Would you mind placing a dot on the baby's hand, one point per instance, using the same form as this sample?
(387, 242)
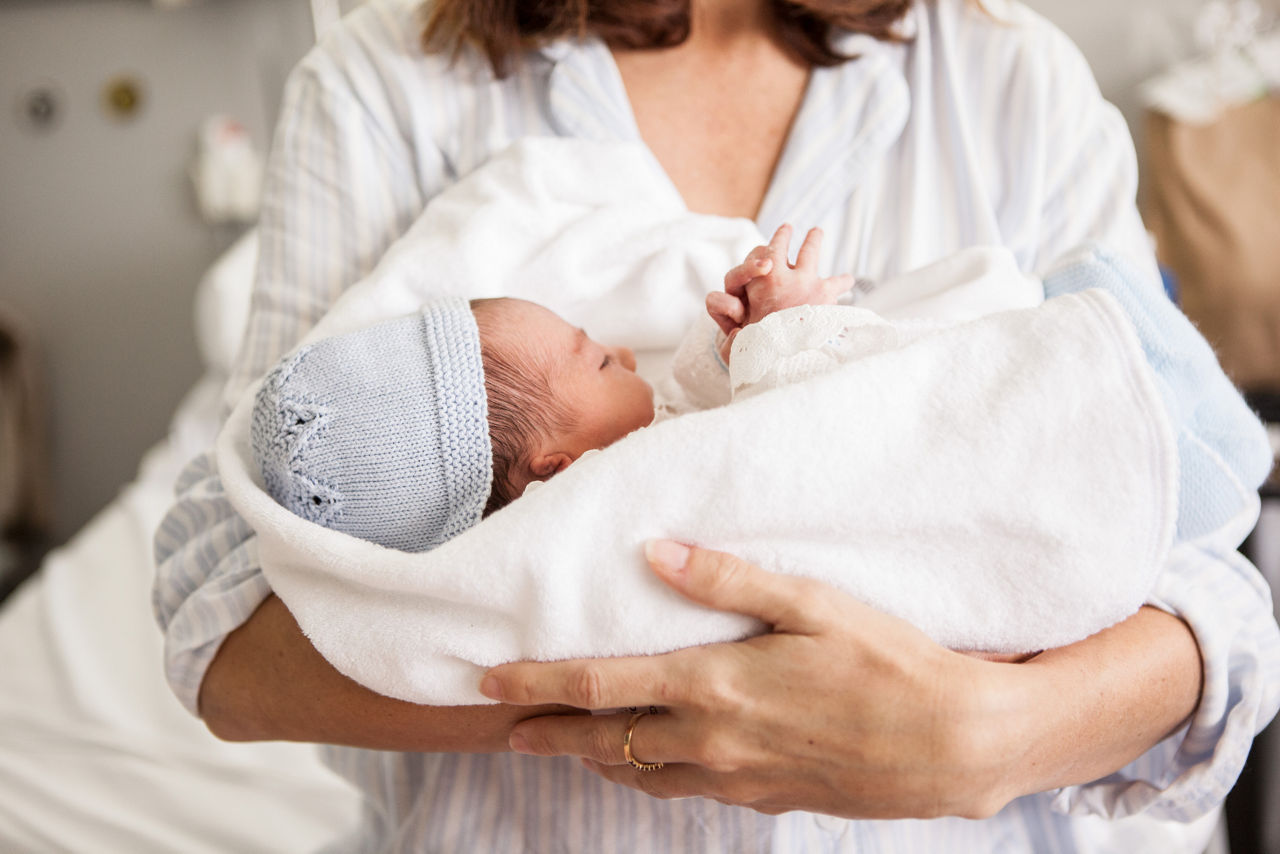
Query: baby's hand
(767, 282)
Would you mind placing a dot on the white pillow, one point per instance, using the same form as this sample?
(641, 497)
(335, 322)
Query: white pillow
(222, 303)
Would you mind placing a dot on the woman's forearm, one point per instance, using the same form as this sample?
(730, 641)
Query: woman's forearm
(1086, 710)
(1068, 716)
(267, 682)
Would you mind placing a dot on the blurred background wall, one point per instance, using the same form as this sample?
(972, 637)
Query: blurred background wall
(100, 243)
(1126, 42)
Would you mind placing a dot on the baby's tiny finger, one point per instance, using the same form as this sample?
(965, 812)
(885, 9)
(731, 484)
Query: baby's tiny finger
(736, 279)
(807, 256)
(781, 240)
(727, 311)
(837, 285)
(727, 305)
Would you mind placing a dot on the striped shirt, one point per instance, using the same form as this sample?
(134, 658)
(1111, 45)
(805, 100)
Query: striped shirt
(975, 131)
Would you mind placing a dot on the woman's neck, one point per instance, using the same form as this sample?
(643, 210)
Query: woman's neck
(716, 23)
(715, 110)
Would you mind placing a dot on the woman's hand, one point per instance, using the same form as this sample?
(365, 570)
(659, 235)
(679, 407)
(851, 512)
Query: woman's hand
(847, 711)
(840, 709)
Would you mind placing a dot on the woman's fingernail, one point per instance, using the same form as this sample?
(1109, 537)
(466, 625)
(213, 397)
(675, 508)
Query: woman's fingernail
(667, 554)
(518, 743)
(491, 688)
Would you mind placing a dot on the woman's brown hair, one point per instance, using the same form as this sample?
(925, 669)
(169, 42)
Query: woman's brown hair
(502, 29)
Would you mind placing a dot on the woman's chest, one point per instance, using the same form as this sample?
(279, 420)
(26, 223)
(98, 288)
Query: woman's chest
(717, 130)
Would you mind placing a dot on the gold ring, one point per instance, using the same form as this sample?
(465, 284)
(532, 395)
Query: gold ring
(626, 747)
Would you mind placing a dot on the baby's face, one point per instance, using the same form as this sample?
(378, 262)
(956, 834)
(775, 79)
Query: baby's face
(598, 384)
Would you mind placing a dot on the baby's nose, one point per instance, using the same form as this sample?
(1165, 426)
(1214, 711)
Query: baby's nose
(627, 357)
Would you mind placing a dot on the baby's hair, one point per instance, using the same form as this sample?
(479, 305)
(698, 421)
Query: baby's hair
(523, 405)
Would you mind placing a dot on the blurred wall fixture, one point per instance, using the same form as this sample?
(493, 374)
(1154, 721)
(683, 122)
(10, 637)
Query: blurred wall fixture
(40, 107)
(227, 172)
(122, 97)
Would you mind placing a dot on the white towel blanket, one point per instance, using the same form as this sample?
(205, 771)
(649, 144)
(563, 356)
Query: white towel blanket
(1005, 484)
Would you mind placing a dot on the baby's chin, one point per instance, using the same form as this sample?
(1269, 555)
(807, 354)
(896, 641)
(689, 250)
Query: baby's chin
(652, 410)
(642, 419)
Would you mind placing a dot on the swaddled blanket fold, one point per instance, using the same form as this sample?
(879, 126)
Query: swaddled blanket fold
(1004, 484)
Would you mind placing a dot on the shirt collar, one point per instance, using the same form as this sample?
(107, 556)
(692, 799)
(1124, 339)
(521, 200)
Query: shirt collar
(586, 94)
(850, 115)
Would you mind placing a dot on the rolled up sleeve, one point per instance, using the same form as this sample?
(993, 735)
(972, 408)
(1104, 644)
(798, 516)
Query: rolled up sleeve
(342, 183)
(1227, 605)
(1087, 195)
(208, 580)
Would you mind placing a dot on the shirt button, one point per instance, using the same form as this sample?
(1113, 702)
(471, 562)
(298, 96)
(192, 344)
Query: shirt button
(831, 824)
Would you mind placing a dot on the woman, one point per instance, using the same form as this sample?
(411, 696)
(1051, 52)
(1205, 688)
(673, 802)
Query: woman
(950, 128)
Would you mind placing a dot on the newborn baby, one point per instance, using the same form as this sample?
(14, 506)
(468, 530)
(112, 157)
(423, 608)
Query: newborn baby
(381, 433)
(408, 432)
(392, 436)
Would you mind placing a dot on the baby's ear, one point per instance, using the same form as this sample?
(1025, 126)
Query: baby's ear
(544, 466)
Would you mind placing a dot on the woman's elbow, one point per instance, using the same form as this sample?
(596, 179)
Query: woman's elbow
(232, 714)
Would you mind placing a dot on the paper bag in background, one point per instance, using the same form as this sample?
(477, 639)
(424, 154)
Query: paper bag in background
(1212, 199)
(24, 481)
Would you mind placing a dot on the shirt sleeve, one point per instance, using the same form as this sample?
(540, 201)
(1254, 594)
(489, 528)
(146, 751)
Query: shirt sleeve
(208, 580)
(1225, 601)
(699, 373)
(1223, 451)
(1074, 180)
(341, 186)
(1088, 195)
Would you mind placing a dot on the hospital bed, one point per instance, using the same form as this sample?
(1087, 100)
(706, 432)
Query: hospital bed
(95, 752)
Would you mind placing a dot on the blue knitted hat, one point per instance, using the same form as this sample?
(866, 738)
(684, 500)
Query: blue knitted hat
(382, 433)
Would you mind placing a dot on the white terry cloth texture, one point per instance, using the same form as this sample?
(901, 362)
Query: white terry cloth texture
(969, 284)
(1004, 484)
(570, 224)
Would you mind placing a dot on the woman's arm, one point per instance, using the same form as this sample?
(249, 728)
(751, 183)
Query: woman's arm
(344, 180)
(847, 711)
(241, 699)
(236, 657)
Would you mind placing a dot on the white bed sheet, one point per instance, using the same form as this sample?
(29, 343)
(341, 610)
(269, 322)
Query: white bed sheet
(95, 752)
